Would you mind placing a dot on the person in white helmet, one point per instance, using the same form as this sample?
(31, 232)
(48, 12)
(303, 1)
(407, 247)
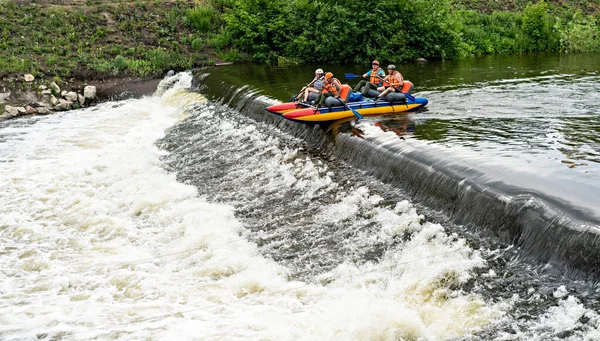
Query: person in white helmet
(395, 81)
(316, 85)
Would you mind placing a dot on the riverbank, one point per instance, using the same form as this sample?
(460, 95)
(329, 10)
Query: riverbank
(122, 49)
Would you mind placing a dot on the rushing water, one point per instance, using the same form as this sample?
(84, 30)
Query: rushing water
(177, 217)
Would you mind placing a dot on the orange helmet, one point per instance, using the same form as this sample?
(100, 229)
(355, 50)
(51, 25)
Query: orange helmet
(328, 75)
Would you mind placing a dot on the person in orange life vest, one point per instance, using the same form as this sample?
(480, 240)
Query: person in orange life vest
(395, 81)
(332, 87)
(375, 75)
(316, 86)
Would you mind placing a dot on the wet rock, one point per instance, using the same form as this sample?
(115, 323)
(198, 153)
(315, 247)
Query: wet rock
(564, 334)
(80, 99)
(170, 73)
(29, 78)
(421, 60)
(63, 105)
(71, 96)
(89, 92)
(55, 89)
(5, 116)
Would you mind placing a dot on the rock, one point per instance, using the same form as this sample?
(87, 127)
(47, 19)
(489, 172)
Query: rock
(44, 111)
(170, 73)
(13, 111)
(31, 110)
(63, 93)
(71, 96)
(81, 99)
(46, 95)
(42, 87)
(3, 96)
(421, 60)
(22, 111)
(54, 101)
(89, 92)
(29, 78)
(55, 89)
(63, 105)
(5, 116)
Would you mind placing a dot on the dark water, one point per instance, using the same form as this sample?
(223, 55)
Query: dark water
(506, 155)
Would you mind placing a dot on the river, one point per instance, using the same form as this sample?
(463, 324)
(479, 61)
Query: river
(194, 214)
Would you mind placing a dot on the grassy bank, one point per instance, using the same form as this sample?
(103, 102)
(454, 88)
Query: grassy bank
(103, 39)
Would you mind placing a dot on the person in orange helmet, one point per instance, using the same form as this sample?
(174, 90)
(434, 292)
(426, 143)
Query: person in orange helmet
(375, 75)
(332, 87)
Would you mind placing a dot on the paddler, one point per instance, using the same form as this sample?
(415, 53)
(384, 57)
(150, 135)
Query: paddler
(316, 86)
(375, 75)
(331, 87)
(395, 81)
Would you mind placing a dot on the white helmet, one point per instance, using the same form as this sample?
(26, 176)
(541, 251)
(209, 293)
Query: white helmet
(319, 71)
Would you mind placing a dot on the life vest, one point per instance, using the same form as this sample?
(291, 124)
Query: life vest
(329, 88)
(346, 91)
(407, 86)
(374, 77)
(395, 83)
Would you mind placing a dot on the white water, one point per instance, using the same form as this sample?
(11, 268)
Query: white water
(99, 242)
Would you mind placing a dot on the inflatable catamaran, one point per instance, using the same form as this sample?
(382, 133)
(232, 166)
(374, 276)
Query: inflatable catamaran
(343, 107)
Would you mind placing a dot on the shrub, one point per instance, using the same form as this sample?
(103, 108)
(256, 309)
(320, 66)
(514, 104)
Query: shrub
(120, 63)
(197, 44)
(537, 27)
(201, 18)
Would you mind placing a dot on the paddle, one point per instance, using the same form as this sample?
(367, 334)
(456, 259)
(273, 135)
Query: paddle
(351, 76)
(359, 116)
(293, 98)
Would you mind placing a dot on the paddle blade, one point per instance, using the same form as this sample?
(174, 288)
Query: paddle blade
(359, 116)
(409, 96)
(351, 76)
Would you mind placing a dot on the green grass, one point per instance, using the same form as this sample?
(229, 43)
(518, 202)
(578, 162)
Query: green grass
(111, 39)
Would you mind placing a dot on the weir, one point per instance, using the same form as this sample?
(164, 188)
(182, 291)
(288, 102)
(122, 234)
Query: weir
(545, 227)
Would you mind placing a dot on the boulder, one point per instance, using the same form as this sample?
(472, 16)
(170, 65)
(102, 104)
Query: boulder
(63, 93)
(22, 111)
(5, 116)
(421, 60)
(42, 87)
(54, 101)
(44, 111)
(12, 111)
(81, 99)
(89, 92)
(29, 78)
(31, 110)
(63, 105)
(170, 73)
(55, 89)
(71, 96)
